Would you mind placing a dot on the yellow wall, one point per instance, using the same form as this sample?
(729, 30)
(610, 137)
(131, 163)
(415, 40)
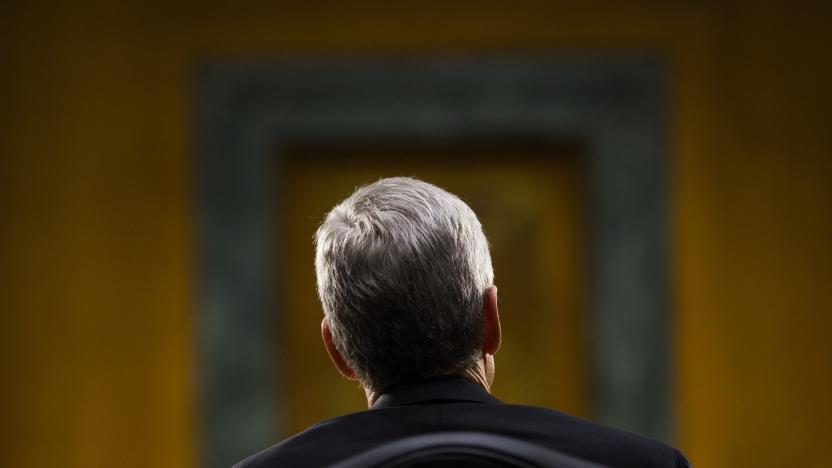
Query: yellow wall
(96, 208)
(754, 243)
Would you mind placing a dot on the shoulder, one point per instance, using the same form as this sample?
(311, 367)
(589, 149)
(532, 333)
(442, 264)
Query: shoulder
(268, 457)
(321, 444)
(294, 451)
(341, 437)
(566, 433)
(601, 443)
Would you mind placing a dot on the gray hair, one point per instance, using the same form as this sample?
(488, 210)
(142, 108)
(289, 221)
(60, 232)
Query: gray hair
(402, 269)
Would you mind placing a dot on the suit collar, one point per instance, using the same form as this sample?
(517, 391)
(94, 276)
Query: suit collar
(434, 391)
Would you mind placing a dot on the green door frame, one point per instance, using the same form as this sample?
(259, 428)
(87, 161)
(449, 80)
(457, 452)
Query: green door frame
(248, 113)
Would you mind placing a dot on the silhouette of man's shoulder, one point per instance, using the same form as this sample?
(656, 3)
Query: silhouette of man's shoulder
(461, 406)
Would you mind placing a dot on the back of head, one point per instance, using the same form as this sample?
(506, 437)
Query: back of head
(402, 268)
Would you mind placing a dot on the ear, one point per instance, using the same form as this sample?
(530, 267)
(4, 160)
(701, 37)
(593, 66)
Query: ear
(334, 354)
(492, 335)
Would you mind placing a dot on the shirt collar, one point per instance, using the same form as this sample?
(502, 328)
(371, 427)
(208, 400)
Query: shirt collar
(434, 391)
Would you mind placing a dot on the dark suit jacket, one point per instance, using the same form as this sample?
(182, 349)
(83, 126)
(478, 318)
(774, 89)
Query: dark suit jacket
(455, 404)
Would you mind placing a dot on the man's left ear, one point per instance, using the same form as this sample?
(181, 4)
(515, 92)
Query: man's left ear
(334, 354)
(492, 335)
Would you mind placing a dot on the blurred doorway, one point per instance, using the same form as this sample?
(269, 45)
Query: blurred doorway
(531, 204)
(252, 118)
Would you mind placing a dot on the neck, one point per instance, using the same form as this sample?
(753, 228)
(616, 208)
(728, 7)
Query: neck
(481, 373)
(478, 374)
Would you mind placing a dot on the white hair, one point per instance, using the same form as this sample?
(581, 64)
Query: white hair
(402, 269)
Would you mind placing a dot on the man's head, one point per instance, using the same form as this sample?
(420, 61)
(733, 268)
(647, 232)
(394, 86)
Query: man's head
(406, 283)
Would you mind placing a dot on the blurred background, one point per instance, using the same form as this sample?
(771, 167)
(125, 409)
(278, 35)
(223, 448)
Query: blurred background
(102, 222)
